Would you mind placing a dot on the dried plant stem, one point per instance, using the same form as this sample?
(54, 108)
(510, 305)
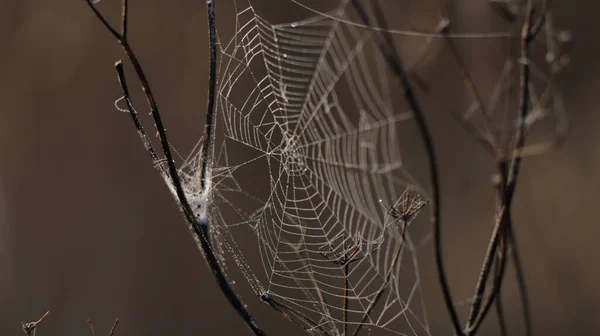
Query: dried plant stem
(388, 50)
(198, 226)
(346, 269)
(212, 87)
(29, 328)
(499, 235)
(521, 283)
(110, 333)
(295, 316)
(388, 276)
(488, 142)
(500, 308)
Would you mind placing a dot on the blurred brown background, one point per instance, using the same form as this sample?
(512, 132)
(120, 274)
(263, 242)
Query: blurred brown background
(88, 230)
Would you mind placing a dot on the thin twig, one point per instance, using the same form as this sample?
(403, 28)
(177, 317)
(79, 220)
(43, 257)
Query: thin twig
(198, 227)
(295, 316)
(110, 333)
(29, 328)
(499, 231)
(526, 38)
(500, 186)
(476, 316)
(210, 111)
(521, 284)
(92, 329)
(309, 272)
(134, 115)
(487, 142)
(393, 59)
(500, 308)
(112, 330)
(388, 276)
(346, 269)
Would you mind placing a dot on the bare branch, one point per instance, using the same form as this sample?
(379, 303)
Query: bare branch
(388, 50)
(110, 333)
(29, 328)
(198, 226)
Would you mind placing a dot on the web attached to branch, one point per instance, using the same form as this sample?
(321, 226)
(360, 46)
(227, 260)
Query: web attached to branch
(309, 179)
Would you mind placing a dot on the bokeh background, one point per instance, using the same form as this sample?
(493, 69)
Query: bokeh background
(88, 229)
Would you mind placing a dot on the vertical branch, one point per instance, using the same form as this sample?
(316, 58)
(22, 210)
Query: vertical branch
(110, 333)
(346, 269)
(500, 307)
(388, 50)
(212, 86)
(521, 284)
(476, 316)
(526, 38)
(124, 18)
(487, 142)
(500, 186)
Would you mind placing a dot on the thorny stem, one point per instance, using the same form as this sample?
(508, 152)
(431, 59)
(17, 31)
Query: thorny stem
(199, 228)
(475, 315)
(388, 50)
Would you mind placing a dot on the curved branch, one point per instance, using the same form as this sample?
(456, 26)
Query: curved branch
(388, 50)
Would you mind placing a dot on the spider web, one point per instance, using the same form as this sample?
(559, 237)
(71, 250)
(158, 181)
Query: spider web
(309, 179)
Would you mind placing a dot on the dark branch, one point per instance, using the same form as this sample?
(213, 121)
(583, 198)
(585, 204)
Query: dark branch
(134, 115)
(510, 177)
(522, 285)
(198, 228)
(388, 50)
(29, 328)
(110, 333)
(212, 86)
(295, 316)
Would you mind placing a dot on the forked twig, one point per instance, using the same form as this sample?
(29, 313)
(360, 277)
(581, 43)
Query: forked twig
(388, 50)
(198, 226)
(344, 259)
(110, 333)
(29, 328)
(500, 307)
